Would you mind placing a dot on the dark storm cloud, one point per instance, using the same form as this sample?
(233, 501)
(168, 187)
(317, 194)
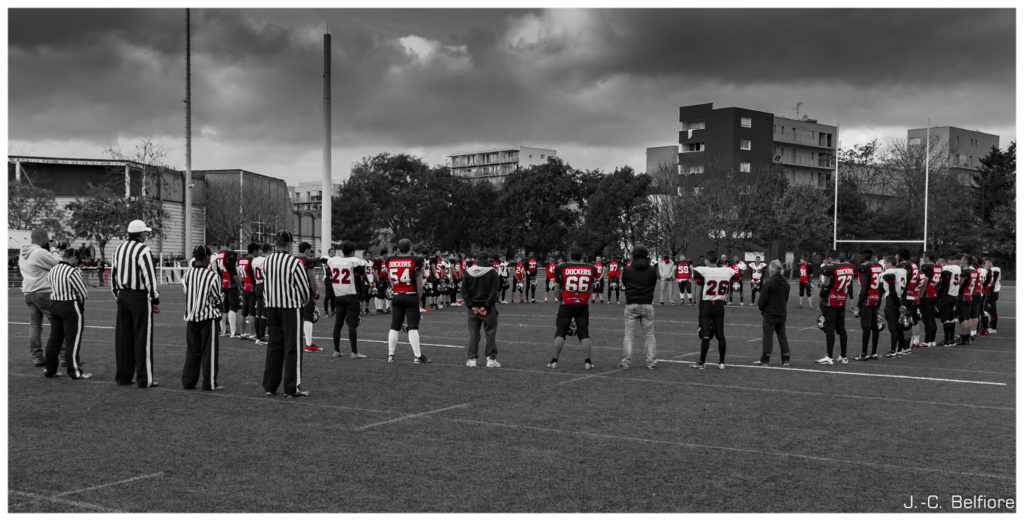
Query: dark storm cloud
(440, 79)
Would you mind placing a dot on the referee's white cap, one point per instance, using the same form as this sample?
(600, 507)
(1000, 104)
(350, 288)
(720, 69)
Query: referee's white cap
(138, 226)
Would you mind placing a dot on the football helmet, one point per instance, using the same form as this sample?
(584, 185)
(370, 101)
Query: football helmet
(905, 321)
(316, 314)
(821, 321)
(880, 318)
(572, 328)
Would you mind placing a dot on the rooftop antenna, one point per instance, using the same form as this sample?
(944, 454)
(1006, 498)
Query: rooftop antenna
(797, 108)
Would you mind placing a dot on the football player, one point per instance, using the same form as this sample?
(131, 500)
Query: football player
(949, 289)
(531, 278)
(519, 272)
(756, 276)
(503, 275)
(837, 277)
(805, 283)
(994, 285)
(737, 281)
(869, 274)
(549, 283)
(598, 282)
(258, 286)
(912, 297)
(968, 278)
(714, 284)
(683, 276)
(575, 280)
(894, 283)
(328, 286)
(613, 280)
(979, 294)
(405, 273)
(930, 298)
(248, 297)
(306, 258)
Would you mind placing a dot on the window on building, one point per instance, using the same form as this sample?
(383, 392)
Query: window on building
(693, 147)
(745, 167)
(695, 169)
(744, 144)
(745, 122)
(915, 141)
(693, 125)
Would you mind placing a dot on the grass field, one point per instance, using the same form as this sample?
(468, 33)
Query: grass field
(377, 437)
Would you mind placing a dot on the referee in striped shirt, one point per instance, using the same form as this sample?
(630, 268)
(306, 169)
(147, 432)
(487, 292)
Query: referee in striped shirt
(286, 289)
(133, 281)
(202, 319)
(66, 316)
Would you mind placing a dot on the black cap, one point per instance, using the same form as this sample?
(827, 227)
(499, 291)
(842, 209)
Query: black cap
(200, 251)
(284, 236)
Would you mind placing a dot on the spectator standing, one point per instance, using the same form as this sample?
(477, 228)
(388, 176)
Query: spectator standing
(667, 275)
(480, 293)
(772, 303)
(35, 264)
(639, 279)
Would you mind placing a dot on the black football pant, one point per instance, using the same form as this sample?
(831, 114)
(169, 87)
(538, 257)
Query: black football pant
(754, 290)
(947, 313)
(613, 282)
(65, 332)
(202, 354)
(835, 322)
(897, 337)
(328, 297)
(133, 338)
(993, 315)
(531, 288)
(347, 307)
(283, 350)
(869, 329)
(928, 314)
(712, 322)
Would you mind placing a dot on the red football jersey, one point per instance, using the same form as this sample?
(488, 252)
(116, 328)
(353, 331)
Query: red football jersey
(402, 274)
(243, 267)
(933, 274)
(613, 270)
(805, 274)
(683, 271)
(551, 270)
(873, 283)
(520, 270)
(600, 270)
(575, 280)
(842, 277)
(970, 278)
(531, 266)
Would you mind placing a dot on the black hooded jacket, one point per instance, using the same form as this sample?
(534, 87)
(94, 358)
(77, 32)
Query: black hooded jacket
(639, 279)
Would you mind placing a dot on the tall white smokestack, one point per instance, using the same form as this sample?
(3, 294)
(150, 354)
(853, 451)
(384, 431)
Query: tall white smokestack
(325, 212)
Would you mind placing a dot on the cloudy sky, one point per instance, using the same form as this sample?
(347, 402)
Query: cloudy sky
(598, 85)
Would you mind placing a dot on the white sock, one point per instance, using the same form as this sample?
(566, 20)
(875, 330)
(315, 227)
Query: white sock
(245, 323)
(307, 332)
(392, 341)
(414, 340)
(233, 320)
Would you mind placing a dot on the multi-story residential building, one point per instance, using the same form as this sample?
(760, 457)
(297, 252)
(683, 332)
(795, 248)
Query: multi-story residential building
(745, 140)
(495, 164)
(955, 148)
(805, 149)
(724, 140)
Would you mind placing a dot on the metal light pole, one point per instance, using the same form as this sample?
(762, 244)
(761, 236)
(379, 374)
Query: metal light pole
(325, 192)
(188, 133)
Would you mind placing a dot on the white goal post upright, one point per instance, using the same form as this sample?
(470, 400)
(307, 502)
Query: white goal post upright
(835, 216)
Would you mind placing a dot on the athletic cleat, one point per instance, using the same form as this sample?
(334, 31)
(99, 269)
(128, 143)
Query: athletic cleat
(588, 365)
(698, 365)
(553, 365)
(843, 360)
(691, 303)
(874, 356)
(533, 301)
(861, 358)
(234, 335)
(991, 331)
(356, 355)
(545, 301)
(759, 362)
(299, 393)
(422, 359)
(312, 348)
(721, 366)
(391, 359)
(260, 342)
(623, 364)
(85, 376)
(471, 362)
(825, 361)
(983, 332)
(492, 363)
(521, 301)
(682, 303)
(785, 363)
(269, 393)
(891, 354)
(337, 354)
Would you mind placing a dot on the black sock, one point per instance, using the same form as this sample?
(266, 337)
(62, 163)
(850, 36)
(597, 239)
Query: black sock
(554, 360)
(587, 361)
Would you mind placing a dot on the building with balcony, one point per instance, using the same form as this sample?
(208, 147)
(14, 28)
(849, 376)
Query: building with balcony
(743, 140)
(805, 149)
(956, 148)
(307, 202)
(495, 164)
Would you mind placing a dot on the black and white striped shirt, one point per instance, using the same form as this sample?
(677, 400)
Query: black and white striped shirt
(202, 294)
(133, 269)
(285, 282)
(67, 283)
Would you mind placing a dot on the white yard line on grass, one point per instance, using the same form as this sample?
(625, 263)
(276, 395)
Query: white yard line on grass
(410, 416)
(55, 499)
(851, 373)
(123, 481)
(587, 377)
(722, 448)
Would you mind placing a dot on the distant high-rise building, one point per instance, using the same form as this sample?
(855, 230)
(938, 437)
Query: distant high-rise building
(494, 164)
(805, 149)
